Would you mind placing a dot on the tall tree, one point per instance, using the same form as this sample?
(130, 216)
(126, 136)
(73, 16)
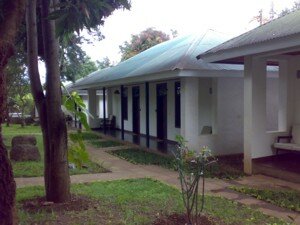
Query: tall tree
(104, 63)
(58, 19)
(142, 41)
(74, 63)
(10, 16)
(294, 7)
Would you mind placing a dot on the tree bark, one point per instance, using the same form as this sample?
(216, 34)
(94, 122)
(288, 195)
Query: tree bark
(13, 11)
(57, 180)
(7, 182)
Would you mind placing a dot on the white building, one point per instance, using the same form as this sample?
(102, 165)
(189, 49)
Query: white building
(165, 91)
(275, 43)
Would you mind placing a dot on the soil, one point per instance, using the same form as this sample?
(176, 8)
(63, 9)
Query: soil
(181, 219)
(77, 203)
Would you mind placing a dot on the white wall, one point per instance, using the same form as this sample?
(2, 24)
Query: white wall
(205, 103)
(224, 113)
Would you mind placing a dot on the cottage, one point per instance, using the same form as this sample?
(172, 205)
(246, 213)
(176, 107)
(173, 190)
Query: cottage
(165, 91)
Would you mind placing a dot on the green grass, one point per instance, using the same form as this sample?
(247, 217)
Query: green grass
(89, 135)
(138, 156)
(104, 144)
(36, 169)
(289, 199)
(220, 169)
(135, 201)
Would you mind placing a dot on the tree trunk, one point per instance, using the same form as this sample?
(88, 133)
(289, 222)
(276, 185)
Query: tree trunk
(7, 115)
(57, 180)
(13, 11)
(7, 182)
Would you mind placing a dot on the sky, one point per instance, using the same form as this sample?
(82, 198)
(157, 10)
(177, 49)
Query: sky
(231, 17)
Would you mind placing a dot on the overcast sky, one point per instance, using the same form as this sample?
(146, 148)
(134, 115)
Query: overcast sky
(231, 17)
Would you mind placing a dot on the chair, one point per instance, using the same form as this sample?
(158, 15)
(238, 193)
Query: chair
(110, 122)
(292, 142)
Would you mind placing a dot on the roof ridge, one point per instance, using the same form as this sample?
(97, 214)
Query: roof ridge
(182, 60)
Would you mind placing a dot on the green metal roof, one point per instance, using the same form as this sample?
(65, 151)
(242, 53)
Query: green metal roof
(179, 53)
(279, 28)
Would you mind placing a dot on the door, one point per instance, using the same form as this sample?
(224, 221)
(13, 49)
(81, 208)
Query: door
(136, 110)
(161, 110)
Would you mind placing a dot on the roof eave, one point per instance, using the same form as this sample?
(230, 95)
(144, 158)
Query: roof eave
(282, 45)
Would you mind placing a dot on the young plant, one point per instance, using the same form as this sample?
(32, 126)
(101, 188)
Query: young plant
(191, 166)
(77, 153)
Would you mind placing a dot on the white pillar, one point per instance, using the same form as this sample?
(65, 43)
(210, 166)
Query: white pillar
(92, 108)
(254, 109)
(215, 105)
(109, 102)
(190, 110)
(283, 96)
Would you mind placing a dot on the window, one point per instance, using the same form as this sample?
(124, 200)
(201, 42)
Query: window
(125, 103)
(177, 104)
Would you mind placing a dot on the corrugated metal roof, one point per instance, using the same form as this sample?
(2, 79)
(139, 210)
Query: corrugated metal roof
(278, 28)
(179, 53)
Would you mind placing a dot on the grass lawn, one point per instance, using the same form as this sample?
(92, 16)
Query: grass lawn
(134, 201)
(220, 169)
(87, 136)
(289, 199)
(138, 156)
(36, 169)
(103, 144)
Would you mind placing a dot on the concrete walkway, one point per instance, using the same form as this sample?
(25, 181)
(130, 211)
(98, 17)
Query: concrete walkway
(121, 169)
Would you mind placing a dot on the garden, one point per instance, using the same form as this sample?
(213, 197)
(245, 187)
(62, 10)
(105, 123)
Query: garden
(129, 201)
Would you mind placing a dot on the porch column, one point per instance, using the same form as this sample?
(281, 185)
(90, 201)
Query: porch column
(92, 108)
(147, 114)
(122, 112)
(104, 110)
(283, 96)
(109, 101)
(190, 110)
(254, 109)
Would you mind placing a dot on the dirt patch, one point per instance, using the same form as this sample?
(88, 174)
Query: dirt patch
(176, 219)
(77, 203)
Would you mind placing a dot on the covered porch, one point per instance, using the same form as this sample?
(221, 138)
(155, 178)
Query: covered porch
(284, 166)
(275, 43)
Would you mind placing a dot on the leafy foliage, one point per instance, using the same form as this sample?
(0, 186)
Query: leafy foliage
(289, 199)
(18, 85)
(74, 15)
(286, 11)
(104, 63)
(141, 42)
(74, 63)
(72, 102)
(77, 153)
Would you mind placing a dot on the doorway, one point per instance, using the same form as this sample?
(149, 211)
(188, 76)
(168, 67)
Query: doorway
(161, 110)
(136, 109)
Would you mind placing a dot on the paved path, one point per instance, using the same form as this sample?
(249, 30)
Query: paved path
(121, 169)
